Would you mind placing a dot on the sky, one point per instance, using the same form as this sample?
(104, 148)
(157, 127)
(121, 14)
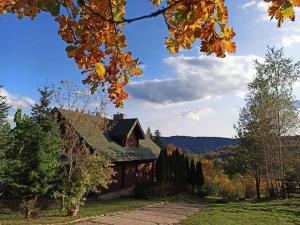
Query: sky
(188, 93)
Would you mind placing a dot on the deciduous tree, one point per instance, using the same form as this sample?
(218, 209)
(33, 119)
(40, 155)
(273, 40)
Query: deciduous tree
(268, 117)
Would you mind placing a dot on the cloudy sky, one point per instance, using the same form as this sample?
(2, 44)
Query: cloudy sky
(184, 94)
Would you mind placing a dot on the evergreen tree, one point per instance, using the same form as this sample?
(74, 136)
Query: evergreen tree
(199, 175)
(35, 156)
(157, 138)
(177, 167)
(187, 165)
(162, 167)
(41, 110)
(192, 172)
(182, 169)
(5, 140)
(149, 133)
(4, 108)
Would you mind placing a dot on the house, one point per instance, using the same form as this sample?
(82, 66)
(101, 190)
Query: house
(123, 142)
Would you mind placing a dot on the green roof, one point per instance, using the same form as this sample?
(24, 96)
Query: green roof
(85, 126)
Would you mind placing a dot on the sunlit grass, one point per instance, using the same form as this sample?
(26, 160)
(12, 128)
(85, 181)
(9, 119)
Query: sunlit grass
(272, 212)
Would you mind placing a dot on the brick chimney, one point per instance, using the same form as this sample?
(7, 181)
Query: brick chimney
(120, 116)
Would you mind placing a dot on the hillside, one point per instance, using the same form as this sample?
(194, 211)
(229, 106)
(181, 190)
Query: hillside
(199, 144)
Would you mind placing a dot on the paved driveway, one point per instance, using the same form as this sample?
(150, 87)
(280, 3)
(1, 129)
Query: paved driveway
(166, 213)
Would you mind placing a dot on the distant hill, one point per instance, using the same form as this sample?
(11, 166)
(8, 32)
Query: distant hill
(199, 145)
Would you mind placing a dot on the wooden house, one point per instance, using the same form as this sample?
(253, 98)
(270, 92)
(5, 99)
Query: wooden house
(123, 142)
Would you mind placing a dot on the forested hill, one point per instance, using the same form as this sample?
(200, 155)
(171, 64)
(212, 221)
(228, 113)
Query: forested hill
(199, 144)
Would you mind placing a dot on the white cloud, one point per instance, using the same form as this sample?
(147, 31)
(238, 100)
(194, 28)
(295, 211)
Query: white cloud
(197, 78)
(196, 114)
(16, 101)
(288, 41)
(291, 32)
(248, 5)
(260, 7)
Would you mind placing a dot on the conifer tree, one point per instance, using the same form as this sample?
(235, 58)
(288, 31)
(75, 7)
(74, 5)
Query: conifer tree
(192, 172)
(4, 108)
(149, 133)
(36, 166)
(35, 153)
(5, 140)
(183, 169)
(163, 169)
(187, 165)
(157, 138)
(41, 110)
(199, 175)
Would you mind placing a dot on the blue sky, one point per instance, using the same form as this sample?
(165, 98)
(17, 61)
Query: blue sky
(183, 94)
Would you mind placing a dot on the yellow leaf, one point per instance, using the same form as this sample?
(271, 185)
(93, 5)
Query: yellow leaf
(229, 46)
(295, 2)
(100, 70)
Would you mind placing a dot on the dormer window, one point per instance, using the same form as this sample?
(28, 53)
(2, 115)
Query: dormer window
(126, 132)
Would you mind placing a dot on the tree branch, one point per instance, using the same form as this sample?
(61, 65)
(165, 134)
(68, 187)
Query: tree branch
(124, 20)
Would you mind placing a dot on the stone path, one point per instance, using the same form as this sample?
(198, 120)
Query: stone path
(164, 214)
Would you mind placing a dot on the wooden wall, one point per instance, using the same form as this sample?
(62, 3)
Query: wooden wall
(129, 174)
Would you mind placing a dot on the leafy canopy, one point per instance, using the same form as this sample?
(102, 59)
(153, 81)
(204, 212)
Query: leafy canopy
(94, 32)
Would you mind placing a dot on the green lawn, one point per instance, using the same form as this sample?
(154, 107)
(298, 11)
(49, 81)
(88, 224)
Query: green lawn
(91, 208)
(275, 212)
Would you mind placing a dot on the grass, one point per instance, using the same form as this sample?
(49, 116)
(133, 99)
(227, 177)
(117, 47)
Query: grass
(215, 212)
(55, 215)
(275, 212)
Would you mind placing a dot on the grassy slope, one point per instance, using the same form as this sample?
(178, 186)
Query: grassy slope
(91, 208)
(276, 212)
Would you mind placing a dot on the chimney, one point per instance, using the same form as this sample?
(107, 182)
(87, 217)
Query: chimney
(120, 116)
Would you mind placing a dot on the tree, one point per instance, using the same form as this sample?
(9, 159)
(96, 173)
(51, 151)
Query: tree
(187, 166)
(85, 170)
(94, 32)
(5, 139)
(269, 116)
(281, 73)
(149, 133)
(162, 167)
(199, 178)
(157, 138)
(91, 171)
(4, 108)
(42, 110)
(34, 161)
(192, 172)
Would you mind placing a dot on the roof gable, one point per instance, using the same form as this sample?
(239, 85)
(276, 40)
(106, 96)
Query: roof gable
(124, 128)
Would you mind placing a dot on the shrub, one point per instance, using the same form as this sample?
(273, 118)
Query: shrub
(210, 187)
(144, 191)
(250, 190)
(232, 189)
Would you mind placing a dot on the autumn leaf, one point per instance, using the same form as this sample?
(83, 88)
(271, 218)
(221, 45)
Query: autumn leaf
(100, 70)
(229, 46)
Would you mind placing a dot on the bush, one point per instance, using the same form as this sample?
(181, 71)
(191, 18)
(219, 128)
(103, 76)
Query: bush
(144, 191)
(232, 189)
(152, 190)
(210, 187)
(250, 189)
